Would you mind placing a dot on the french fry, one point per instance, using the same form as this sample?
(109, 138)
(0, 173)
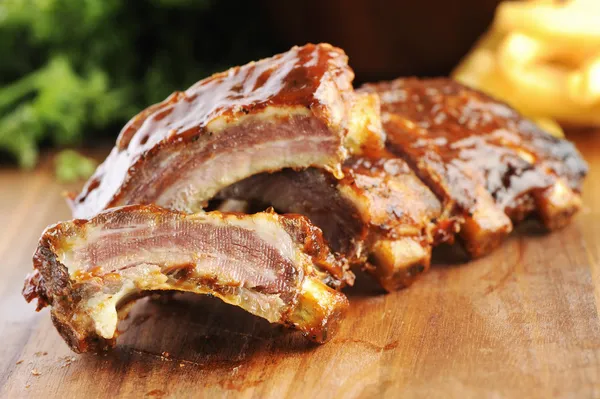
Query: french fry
(584, 85)
(543, 59)
(572, 22)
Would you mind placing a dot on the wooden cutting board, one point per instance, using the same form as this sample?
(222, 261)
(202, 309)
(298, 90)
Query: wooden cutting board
(522, 322)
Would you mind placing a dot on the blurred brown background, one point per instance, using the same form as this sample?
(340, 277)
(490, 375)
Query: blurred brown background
(386, 39)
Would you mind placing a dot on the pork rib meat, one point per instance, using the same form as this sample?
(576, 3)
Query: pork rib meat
(296, 110)
(380, 212)
(480, 157)
(273, 266)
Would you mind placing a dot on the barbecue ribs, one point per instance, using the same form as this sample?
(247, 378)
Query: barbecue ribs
(379, 212)
(480, 157)
(296, 110)
(276, 267)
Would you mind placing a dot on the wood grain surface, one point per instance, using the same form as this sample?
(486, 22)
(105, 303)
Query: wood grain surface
(522, 322)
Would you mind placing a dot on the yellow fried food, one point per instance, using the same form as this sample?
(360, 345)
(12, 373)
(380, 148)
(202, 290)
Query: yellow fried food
(542, 58)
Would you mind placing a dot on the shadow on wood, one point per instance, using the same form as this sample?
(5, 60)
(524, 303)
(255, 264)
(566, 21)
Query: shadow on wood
(202, 330)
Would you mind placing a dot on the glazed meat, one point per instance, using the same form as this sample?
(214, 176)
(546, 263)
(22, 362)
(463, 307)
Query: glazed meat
(481, 158)
(379, 212)
(276, 267)
(296, 109)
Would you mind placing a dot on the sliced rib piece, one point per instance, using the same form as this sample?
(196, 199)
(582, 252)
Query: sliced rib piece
(276, 267)
(379, 212)
(296, 109)
(480, 157)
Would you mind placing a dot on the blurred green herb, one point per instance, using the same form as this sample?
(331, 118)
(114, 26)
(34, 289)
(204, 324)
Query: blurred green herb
(71, 166)
(71, 69)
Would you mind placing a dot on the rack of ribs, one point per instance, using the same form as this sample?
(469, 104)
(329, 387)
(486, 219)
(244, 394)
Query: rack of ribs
(294, 110)
(273, 266)
(386, 173)
(379, 213)
(480, 157)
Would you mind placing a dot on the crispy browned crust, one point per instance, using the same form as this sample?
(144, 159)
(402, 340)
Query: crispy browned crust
(312, 77)
(487, 163)
(51, 284)
(336, 270)
(403, 217)
(398, 202)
